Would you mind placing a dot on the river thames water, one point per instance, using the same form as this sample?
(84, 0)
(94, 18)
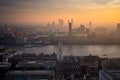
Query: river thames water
(77, 50)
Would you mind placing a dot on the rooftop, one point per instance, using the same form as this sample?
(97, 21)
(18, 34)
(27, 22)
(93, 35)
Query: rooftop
(111, 64)
(27, 63)
(111, 74)
(35, 72)
(5, 64)
(115, 73)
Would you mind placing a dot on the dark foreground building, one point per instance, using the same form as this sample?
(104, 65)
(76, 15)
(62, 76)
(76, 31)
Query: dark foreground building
(33, 70)
(109, 75)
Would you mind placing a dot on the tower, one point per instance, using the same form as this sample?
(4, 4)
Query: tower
(70, 22)
(60, 55)
(118, 27)
(90, 24)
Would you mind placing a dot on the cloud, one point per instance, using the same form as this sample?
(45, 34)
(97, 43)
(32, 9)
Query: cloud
(115, 2)
(32, 5)
(91, 1)
(29, 5)
(101, 1)
(16, 5)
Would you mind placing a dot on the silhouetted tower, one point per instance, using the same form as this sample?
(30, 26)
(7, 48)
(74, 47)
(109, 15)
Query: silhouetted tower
(90, 24)
(70, 22)
(60, 55)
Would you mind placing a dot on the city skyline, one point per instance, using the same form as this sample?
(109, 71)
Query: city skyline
(45, 11)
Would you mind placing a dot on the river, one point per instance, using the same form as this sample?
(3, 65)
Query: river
(77, 50)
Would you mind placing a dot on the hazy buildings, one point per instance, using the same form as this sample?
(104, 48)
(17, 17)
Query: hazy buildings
(81, 31)
(118, 27)
(100, 30)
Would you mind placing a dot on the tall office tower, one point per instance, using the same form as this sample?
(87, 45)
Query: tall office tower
(90, 24)
(70, 22)
(118, 27)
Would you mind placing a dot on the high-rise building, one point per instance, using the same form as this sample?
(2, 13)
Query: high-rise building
(118, 27)
(90, 24)
(70, 27)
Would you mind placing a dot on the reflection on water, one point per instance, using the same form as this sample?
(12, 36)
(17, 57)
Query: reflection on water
(109, 50)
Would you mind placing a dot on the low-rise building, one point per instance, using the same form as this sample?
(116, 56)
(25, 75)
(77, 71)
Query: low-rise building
(36, 65)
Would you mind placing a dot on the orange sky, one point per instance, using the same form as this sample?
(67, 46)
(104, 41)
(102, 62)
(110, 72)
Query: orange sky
(39, 11)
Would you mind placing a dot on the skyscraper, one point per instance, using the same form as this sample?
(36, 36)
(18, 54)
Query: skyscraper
(70, 26)
(118, 27)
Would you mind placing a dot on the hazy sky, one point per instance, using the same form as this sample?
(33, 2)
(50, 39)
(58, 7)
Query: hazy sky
(44, 11)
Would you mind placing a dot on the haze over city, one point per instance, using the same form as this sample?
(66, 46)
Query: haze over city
(100, 12)
(59, 39)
